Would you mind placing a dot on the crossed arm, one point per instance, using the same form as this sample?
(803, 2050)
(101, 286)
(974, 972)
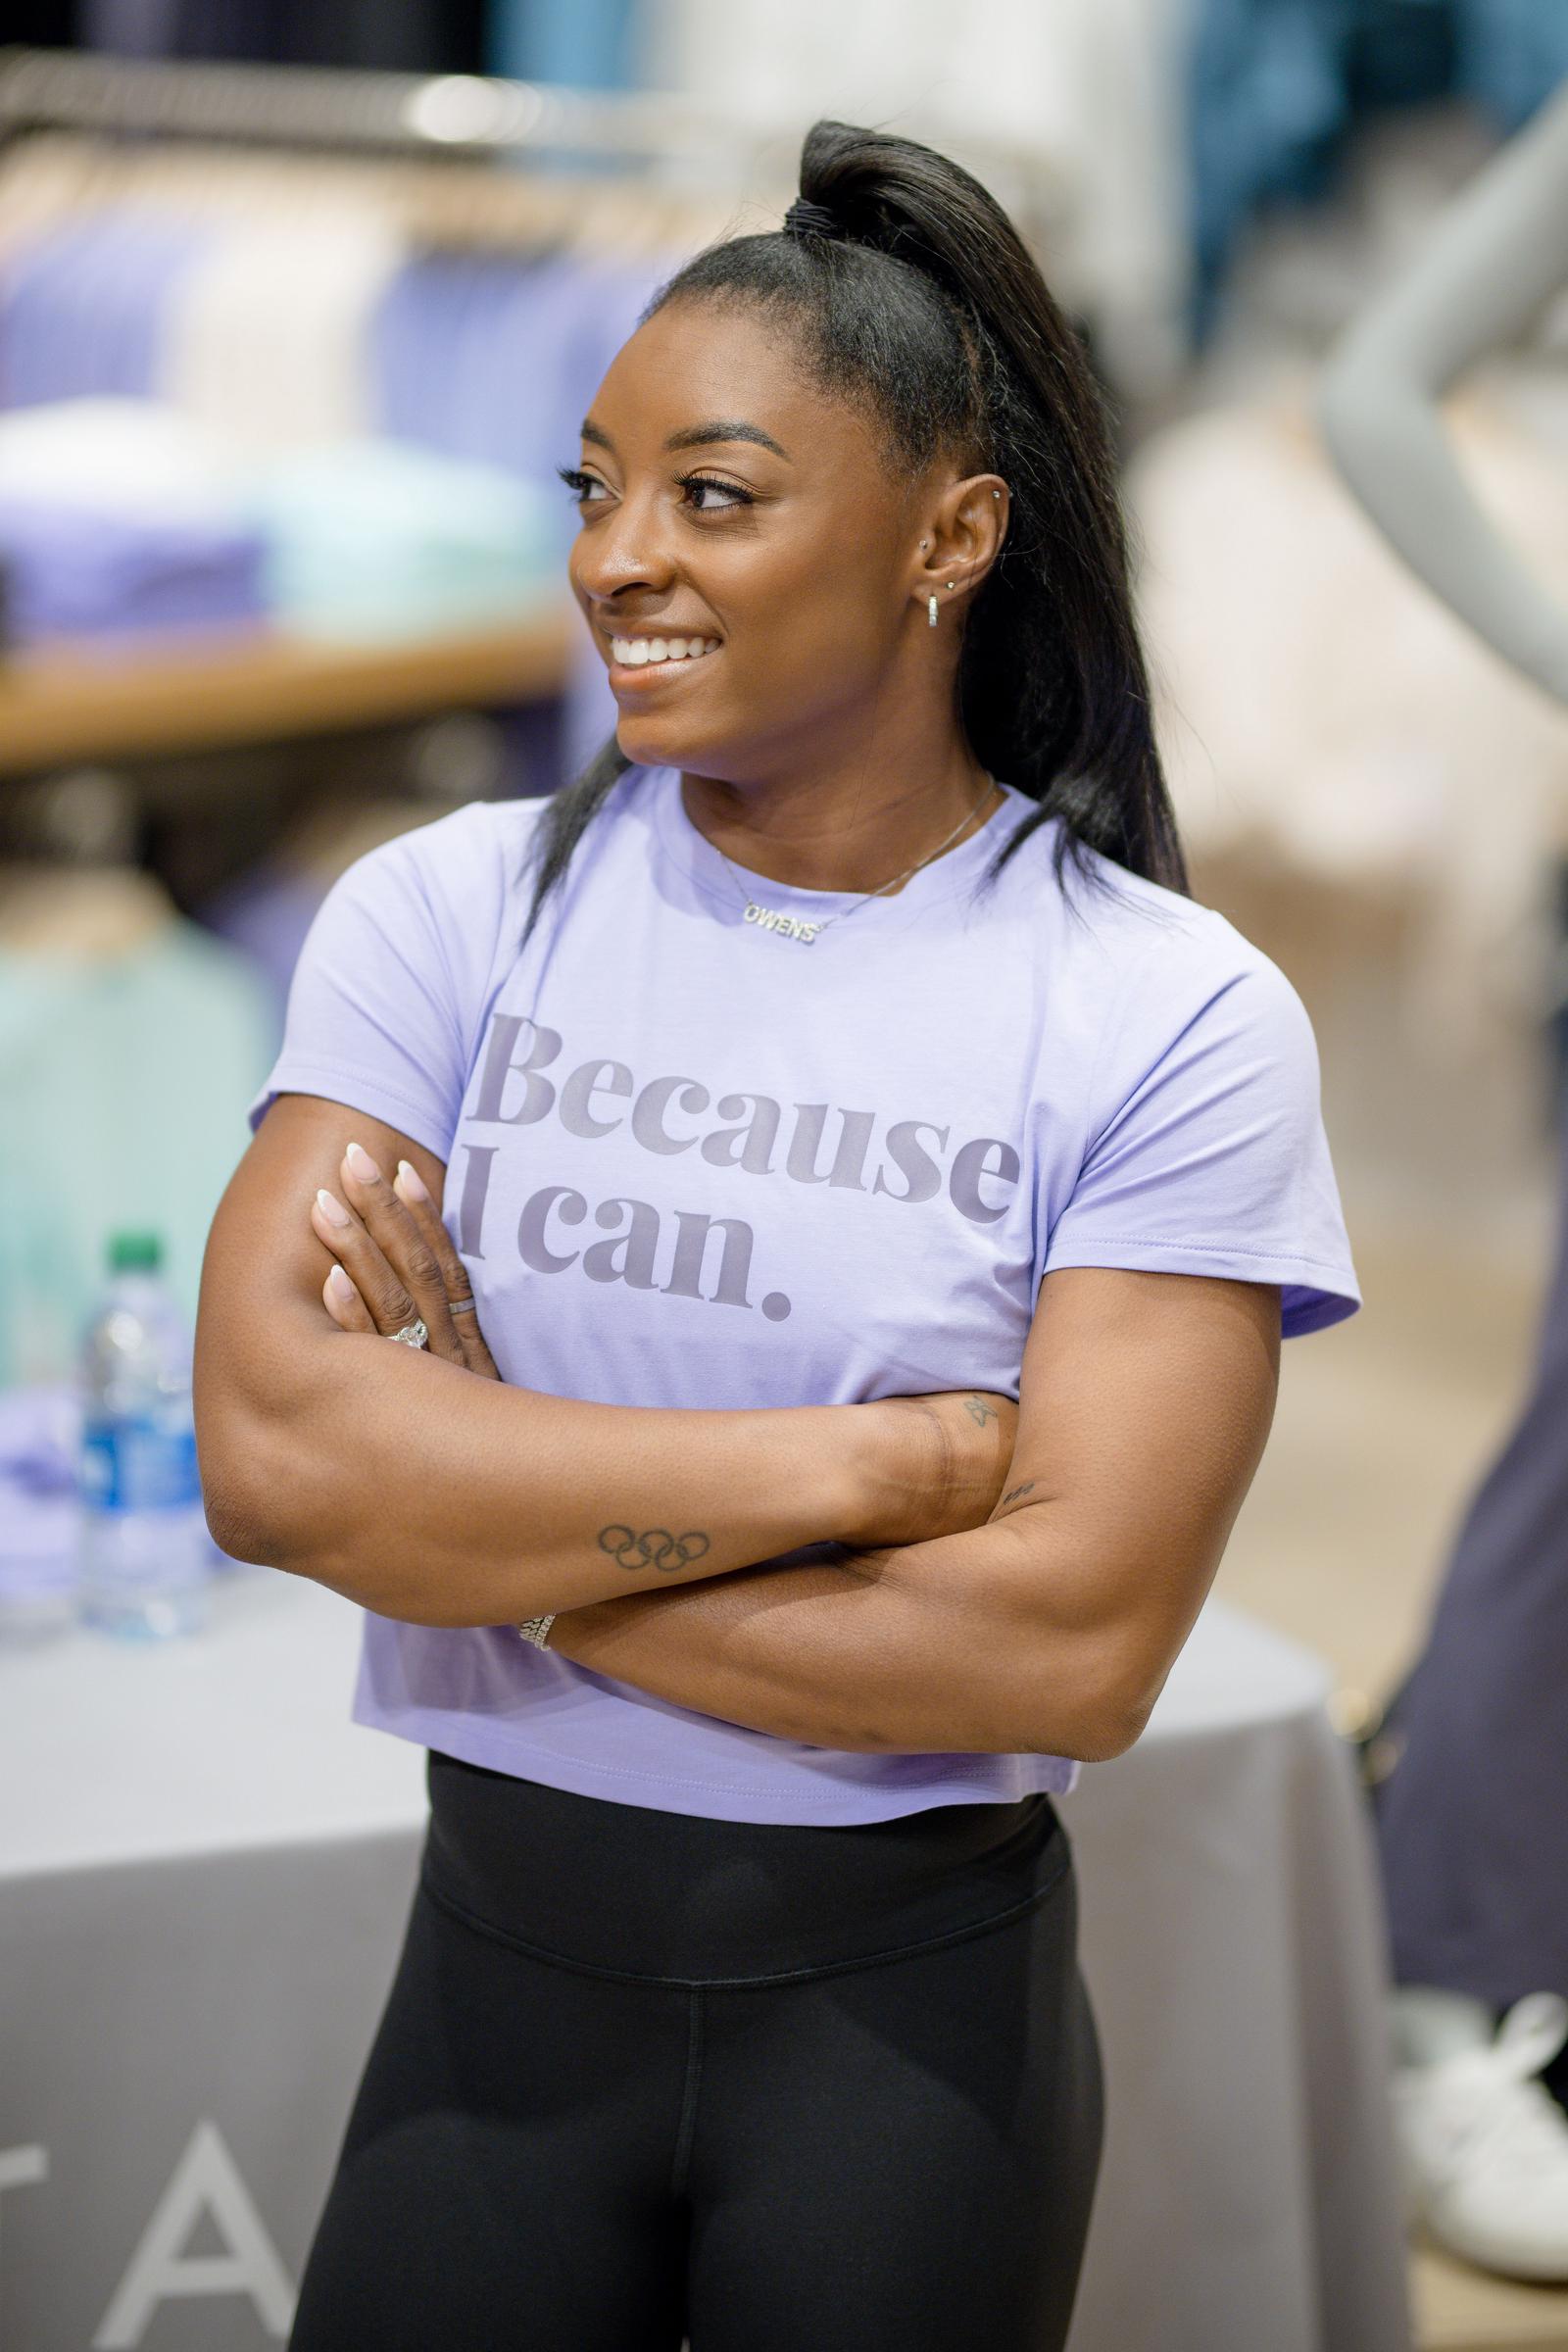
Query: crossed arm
(402, 1481)
(1144, 1405)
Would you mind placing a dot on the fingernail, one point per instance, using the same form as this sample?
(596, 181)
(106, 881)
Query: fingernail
(331, 1207)
(408, 1180)
(363, 1166)
(338, 1283)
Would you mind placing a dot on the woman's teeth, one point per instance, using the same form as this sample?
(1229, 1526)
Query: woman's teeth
(633, 651)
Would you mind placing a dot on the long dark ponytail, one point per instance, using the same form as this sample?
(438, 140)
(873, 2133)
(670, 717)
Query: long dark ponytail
(910, 287)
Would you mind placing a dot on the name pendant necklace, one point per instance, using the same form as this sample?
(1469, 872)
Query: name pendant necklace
(789, 927)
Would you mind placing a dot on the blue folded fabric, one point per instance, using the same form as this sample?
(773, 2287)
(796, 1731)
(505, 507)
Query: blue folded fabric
(70, 571)
(39, 1514)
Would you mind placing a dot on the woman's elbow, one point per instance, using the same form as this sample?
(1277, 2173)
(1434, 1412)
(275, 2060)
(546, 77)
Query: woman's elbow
(1112, 1698)
(1109, 1730)
(255, 1493)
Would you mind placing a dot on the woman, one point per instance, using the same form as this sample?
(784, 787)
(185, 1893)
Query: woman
(883, 1190)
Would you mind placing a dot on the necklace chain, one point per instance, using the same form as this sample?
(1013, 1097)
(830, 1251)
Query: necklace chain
(770, 920)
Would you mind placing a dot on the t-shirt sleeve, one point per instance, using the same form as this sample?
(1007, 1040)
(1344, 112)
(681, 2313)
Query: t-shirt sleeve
(390, 978)
(1206, 1152)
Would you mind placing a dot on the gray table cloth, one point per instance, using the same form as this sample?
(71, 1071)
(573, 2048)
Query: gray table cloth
(205, 1871)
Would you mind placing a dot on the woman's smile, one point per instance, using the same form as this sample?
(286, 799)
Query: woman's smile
(640, 658)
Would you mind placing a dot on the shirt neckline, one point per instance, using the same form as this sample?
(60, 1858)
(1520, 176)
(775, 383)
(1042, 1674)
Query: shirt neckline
(698, 858)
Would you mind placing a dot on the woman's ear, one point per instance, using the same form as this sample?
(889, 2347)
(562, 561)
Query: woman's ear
(962, 532)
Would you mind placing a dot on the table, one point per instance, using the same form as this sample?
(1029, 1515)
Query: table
(204, 1875)
(1232, 1940)
(120, 701)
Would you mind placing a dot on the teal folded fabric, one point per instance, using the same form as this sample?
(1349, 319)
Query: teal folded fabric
(376, 539)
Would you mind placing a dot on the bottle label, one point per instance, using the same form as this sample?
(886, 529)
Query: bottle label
(137, 1463)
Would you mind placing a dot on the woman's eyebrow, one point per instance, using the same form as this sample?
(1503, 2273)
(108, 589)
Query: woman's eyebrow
(698, 436)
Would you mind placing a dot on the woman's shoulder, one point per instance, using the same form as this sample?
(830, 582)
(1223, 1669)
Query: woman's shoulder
(1133, 977)
(482, 835)
(461, 869)
(1137, 938)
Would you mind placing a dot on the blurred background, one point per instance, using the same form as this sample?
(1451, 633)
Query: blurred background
(298, 309)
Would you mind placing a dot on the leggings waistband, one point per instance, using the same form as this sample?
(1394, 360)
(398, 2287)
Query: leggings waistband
(629, 1891)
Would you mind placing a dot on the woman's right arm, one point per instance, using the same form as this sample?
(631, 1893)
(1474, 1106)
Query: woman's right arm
(428, 1495)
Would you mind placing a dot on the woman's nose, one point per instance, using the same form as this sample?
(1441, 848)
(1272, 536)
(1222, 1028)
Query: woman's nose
(625, 550)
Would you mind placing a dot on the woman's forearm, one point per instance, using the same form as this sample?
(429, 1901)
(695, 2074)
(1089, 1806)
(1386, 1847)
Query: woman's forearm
(427, 1495)
(931, 1648)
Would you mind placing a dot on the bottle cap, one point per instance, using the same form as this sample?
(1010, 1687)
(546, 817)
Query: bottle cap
(135, 1253)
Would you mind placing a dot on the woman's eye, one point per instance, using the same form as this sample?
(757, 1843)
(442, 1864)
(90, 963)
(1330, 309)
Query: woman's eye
(583, 486)
(698, 486)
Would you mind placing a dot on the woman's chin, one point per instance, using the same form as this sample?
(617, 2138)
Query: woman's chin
(650, 742)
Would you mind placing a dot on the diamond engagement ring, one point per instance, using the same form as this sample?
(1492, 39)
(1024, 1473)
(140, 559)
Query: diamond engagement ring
(415, 1334)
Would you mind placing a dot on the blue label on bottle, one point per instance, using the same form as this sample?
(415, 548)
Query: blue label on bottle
(137, 1463)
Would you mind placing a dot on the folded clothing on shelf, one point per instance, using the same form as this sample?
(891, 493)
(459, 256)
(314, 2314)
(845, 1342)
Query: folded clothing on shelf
(373, 539)
(120, 574)
(120, 517)
(126, 516)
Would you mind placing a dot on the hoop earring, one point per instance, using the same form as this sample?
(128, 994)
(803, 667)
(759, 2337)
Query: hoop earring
(931, 610)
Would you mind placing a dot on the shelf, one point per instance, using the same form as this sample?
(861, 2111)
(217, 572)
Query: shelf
(85, 702)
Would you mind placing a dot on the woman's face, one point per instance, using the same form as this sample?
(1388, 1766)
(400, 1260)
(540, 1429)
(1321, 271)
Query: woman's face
(729, 504)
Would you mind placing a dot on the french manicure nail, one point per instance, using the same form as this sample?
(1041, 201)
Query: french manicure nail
(331, 1207)
(338, 1283)
(408, 1180)
(363, 1166)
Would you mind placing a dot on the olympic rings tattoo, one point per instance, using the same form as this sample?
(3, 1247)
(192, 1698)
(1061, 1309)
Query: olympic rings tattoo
(654, 1548)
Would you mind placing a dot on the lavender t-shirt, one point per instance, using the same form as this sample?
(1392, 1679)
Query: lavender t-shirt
(693, 1161)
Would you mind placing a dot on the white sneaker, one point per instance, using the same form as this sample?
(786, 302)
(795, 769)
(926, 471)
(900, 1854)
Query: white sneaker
(1485, 2145)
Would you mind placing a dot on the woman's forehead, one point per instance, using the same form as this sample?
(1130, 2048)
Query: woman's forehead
(695, 363)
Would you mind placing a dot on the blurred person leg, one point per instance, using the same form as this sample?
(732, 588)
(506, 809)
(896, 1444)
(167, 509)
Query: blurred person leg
(1472, 1822)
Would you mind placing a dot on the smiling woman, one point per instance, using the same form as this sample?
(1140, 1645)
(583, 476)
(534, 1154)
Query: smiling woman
(845, 1367)
(793, 572)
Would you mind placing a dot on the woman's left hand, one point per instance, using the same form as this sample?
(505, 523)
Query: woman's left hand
(395, 1262)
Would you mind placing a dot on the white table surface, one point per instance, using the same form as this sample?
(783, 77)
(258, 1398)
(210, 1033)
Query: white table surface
(236, 1737)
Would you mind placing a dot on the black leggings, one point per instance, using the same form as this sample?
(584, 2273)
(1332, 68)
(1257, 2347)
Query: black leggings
(648, 2076)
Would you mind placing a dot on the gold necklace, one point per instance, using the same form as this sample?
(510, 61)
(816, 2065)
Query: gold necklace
(790, 926)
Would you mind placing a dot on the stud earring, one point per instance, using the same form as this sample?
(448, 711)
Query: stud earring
(931, 610)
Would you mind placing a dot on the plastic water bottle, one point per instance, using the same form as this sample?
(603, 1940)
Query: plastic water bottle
(145, 1553)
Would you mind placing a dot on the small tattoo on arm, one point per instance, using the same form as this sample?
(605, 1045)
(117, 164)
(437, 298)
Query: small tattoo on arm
(979, 1411)
(1018, 1494)
(655, 1547)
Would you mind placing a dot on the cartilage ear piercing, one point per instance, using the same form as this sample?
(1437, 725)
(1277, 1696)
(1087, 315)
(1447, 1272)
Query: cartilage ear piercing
(931, 610)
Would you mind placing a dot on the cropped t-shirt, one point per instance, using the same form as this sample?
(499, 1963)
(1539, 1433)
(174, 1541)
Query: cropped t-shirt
(696, 1161)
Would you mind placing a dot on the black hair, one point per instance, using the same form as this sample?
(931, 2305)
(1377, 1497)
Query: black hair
(907, 287)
